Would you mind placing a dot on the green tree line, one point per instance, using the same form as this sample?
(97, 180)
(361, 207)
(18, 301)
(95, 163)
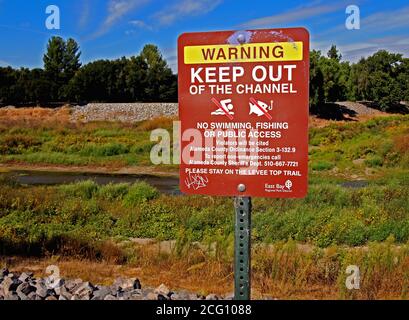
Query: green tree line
(382, 78)
(144, 77)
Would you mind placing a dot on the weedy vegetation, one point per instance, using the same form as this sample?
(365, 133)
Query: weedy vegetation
(302, 246)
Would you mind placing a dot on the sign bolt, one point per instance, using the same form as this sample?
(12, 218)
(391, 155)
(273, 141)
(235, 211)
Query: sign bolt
(241, 187)
(241, 38)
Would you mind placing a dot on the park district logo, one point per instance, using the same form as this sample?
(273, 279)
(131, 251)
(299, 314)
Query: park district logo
(277, 187)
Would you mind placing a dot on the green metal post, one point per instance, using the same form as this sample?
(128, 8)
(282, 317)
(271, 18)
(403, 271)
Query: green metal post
(242, 236)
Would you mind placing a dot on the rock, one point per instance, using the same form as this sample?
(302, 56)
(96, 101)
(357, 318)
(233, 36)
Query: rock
(151, 296)
(136, 294)
(175, 296)
(54, 283)
(24, 277)
(32, 296)
(126, 112)
(181, 295)
(163, 290)
(11, 296)
(137, 284)
(113, 290)
(4, 272)
(6, 284)
(124, 295)
(24, 289)
(101, 293)
(10, 285)
(85, 289)
(51, 292)
(229, 296)
(193, 296)
(64, 293)
(22, 296)
(73, 285)
(70, 284)
(41, 290)
(127, 284)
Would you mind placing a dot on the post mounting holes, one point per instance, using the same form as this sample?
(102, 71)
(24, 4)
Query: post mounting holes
(242, 248)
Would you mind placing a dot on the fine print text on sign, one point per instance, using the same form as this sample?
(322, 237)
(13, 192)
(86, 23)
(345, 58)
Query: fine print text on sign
(243, 106)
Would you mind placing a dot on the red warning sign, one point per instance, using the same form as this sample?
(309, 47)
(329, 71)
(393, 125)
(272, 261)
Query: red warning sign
(243, 106)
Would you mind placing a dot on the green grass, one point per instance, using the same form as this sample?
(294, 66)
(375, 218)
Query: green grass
(102, 144)
(329, 215)
(381, 143)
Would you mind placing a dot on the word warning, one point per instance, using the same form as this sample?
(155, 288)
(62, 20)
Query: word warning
(243, 106)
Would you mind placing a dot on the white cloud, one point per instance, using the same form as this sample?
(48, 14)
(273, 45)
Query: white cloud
(375, 23)
(353, 51)
(296, 14)
(185, 8)
(379, 30)
(85, 13)
(140, 24)
(4, 63)
(116, 10)
(387, 20)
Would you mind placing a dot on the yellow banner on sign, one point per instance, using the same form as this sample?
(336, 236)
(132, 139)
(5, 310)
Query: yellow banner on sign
(252, 52)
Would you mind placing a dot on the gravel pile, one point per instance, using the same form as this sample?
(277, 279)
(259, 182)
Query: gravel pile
(125, 112)
(359, 108)
(23, 286)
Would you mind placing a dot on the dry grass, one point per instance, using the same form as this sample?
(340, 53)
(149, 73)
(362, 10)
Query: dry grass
(34, 115)
(284, 272)
(39, 115)
(159, 122)
(402, 143)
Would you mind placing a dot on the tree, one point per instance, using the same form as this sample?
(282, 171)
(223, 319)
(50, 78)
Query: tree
(382, 78)
(136, 78)
(7, 81)
(335, 75)
(316, 80)
(333, 53)
(71, 61)
(160, 81)
(61, 61)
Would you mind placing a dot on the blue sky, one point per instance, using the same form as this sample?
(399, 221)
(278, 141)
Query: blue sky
(107, 29)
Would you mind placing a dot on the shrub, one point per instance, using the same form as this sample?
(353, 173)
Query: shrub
(113, 191)
(322, 165)
(138, 193)
(105, 150)
(374, 161)
(16, 144)
(84, 189)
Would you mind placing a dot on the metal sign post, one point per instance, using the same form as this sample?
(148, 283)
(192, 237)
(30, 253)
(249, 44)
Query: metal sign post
(243, 107)
(242, 248)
